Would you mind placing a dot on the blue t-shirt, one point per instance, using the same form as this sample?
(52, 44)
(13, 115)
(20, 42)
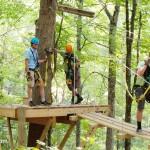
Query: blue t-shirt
(32, 56)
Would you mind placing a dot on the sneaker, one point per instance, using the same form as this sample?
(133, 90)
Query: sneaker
(31, 103)
(138, 130)
(45, 103)
(79, 100)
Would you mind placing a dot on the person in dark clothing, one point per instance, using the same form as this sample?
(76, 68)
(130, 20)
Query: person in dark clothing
(72, 72)
(143, 70)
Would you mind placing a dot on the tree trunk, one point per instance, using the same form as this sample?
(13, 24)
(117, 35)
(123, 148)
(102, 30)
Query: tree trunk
(112, 73)
(129, 41)
(138, 47)
(139, 37)
(79, 33)
(45, 27)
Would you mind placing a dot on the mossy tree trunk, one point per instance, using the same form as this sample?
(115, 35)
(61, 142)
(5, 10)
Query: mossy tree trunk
(45, 27)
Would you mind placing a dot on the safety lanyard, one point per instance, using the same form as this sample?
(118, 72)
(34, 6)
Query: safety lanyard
(35, 58)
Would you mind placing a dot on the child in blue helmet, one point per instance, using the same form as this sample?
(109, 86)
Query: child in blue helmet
(32, 71)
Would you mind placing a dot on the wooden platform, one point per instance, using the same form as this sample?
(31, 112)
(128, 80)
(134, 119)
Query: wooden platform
(116, 124)
(47, 116)
(11, 111)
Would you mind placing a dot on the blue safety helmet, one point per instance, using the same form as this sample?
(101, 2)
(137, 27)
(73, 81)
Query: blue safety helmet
(35, 40)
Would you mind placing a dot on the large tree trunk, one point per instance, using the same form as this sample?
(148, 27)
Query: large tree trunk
(112, 69)
(45, 27)
(79, 33)
(112, 74)
(129, 41)
(138, 46)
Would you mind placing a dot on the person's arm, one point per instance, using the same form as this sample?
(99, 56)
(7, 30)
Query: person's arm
(26, 66)
(142, 67)
(40, 61)
(141, 70)
(27, 57)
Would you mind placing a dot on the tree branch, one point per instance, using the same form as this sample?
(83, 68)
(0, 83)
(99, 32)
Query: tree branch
(106, 10)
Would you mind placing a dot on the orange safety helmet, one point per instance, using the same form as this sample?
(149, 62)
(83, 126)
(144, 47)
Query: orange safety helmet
(69, 48)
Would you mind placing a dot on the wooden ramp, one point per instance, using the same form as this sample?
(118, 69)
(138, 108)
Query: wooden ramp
(116, 124)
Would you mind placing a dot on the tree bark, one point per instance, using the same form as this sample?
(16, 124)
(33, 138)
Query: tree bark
(138, 46)
(113, 19)
(129, 41)
(112, 73)
(45, 27)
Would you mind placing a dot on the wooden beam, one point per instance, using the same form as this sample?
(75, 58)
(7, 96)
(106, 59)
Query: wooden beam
(123, 136)
(10, 134)
(69, 131)
(73, 118)
(8, 112)
(64, 120)
(21, 126)
(63, 111)
(90, 133)
(75, 11)
(95, 125)
(45, 131)
(50, 111)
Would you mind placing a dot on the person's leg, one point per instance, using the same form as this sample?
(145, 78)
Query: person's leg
(139, 114)
(76, 86)
(42, 91)
(140, 107)
(29, 91)
(31, 83)
(74, 93)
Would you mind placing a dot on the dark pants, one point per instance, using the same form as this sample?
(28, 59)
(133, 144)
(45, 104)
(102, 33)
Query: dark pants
(73, 80)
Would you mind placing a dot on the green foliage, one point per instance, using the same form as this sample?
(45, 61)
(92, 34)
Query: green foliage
(17, 19)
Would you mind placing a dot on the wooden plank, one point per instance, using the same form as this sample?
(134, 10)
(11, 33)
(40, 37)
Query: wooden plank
(21, 126)
(49, 112)
(75, 11)
(115, 124)
(45, 131)
(148, 147)
(10, 134)
(8, 112)
(0, 147)
(121, 124)
(69, 131)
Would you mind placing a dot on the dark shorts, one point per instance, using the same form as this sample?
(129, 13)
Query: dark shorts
(73, 83)
(141, 103)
